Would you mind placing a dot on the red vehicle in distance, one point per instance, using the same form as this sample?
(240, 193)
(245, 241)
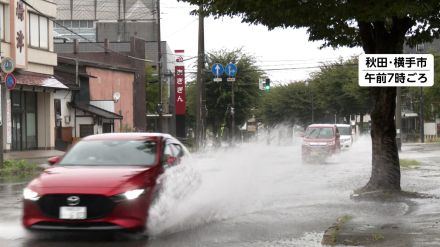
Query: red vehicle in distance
(105, 182)
(319, 142)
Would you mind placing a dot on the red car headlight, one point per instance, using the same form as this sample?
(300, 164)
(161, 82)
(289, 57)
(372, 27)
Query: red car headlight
(133, 194)
(29, 194)
(128, 195)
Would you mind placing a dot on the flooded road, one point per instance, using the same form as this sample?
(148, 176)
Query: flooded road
(252, 195)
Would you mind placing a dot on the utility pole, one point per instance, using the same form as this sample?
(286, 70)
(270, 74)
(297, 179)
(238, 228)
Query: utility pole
(313, 107)
(232, 113)
(398, 119)
(159, 68)
(1, 112)
(200, 102)
(422, 122)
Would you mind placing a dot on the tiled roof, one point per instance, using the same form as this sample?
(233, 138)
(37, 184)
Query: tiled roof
(94, 110)
(38, 80)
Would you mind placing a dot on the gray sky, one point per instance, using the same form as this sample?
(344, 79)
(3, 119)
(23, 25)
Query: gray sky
(276, 49)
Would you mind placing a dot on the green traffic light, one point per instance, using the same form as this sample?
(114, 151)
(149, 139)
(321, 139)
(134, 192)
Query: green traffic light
(267, 84)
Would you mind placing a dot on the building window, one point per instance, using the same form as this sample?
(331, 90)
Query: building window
(86, 130)
(75, 24)
(67, 23)
(83, 24)
(38, 31)
(2, 21)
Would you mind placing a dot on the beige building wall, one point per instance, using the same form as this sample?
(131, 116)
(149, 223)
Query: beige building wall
(104, 83)
(36, 60)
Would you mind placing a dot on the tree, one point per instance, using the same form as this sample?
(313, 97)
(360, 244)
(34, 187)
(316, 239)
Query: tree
(431, 94)
(152, 90)
(331, 90)
(379, 26)
(291, 104)
(337, 92)
(218, 94)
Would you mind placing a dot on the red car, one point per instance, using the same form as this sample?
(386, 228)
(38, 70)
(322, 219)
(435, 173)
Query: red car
(105, 182)
(320, 141)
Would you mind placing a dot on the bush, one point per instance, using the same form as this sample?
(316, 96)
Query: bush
(18, 168)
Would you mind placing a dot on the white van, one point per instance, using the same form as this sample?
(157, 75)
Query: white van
(346, 135)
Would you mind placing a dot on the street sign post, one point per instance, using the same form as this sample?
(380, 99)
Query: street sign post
(231, 70)
(217, 69)
(7, 65)
(10, 81)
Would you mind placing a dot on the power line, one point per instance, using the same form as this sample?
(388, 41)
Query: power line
(181, 29)
(288, 68)
(300, 60)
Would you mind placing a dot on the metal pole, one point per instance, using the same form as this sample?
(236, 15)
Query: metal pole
(232, 113)
(159, 67)
(2, 108)
(422, 120)
(398, 119)
(200, 84)
(313, 107)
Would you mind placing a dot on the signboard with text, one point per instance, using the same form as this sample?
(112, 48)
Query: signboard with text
(396, 70)
(180, 83)
(18, 33)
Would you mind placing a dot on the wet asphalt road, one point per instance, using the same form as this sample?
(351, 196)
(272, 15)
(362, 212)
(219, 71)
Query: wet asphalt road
(258, 195)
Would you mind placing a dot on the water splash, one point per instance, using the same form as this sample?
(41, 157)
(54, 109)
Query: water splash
(251, 177)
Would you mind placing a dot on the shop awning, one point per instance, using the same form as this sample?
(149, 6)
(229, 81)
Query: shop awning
(96, 111)
(39, 80)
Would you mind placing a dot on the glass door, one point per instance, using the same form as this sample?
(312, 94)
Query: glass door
(24, 120)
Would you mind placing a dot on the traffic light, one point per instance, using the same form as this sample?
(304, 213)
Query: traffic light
(267, 84)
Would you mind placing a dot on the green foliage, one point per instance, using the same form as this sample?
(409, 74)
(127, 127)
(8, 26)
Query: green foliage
(219, 94)
(286, 103)
(335, 22)
(431, 95)
(18, 168)
(336, 90)
(151, 89)
(377, 236)
(332, 90)
(405, 163)
(190, 91)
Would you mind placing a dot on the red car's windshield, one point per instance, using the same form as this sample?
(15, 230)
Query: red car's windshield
(319, 133)
(112, 152)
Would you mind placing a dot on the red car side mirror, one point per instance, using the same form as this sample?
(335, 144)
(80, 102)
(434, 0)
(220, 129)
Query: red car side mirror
(52, 161)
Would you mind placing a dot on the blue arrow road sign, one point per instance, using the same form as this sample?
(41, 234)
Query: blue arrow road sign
(231, 70)
(217, 69)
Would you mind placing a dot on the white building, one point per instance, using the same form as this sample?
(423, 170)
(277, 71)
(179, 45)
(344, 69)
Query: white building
(28, 109)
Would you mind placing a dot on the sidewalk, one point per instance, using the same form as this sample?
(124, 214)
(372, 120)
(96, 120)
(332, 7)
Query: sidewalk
(397, 220)
(34, 156)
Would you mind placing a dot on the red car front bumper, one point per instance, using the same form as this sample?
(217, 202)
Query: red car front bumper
(131, 215)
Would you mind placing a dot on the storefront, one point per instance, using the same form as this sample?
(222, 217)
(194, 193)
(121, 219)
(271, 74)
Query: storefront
(30, 112)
